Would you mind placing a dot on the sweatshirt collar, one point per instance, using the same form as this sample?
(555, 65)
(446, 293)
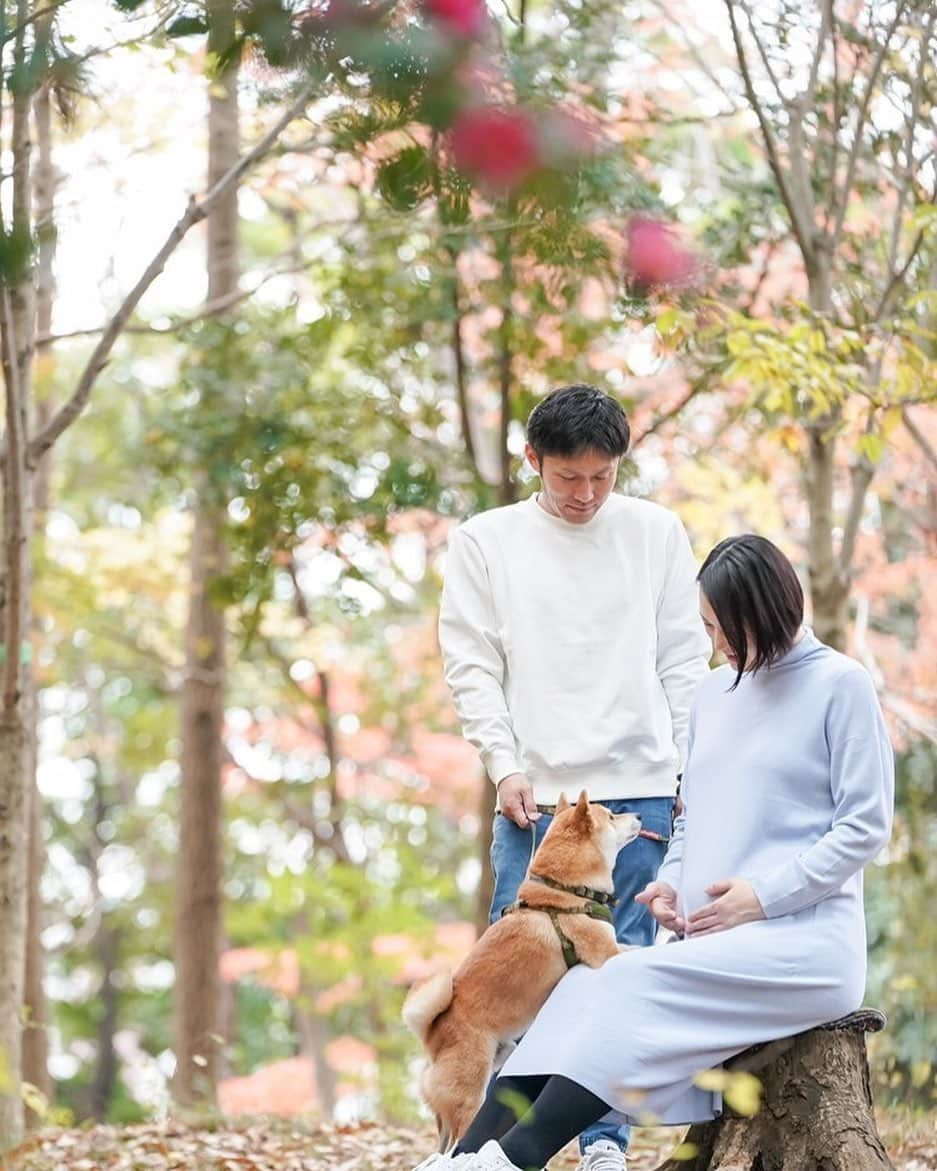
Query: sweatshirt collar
(565, 526)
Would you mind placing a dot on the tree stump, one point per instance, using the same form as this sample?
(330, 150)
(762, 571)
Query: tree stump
(816, 1108)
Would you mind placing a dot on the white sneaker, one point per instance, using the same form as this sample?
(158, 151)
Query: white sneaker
(603, 1155)
(489, 1158)
(438, 1162)
(433, 1162)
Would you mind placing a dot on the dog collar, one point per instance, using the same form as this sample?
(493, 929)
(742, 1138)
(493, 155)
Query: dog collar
(582, 892)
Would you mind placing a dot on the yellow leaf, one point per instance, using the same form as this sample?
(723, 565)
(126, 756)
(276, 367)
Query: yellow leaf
(890, 420)
(666, 322)
(712, 1079)
(6, 1078)
(743, 1093)
(35, 1099)
(741, 1090)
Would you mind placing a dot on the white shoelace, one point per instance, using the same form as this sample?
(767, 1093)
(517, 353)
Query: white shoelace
(602, 1156)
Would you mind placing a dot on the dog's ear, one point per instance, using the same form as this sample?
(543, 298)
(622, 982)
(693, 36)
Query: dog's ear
(582, 805)
(562, 803)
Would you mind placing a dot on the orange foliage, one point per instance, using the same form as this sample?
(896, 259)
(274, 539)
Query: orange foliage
(288, 1088)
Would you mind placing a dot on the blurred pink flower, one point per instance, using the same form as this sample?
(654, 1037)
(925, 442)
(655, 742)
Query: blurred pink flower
(655, 255)
(465, 18)
(496, 145)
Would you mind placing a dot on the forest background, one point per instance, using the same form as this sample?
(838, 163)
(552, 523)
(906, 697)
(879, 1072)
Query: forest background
(239, 818)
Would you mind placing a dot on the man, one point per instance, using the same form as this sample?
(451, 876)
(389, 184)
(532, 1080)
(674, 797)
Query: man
(572, 644)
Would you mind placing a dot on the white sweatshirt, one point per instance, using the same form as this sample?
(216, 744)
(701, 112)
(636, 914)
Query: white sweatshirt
(573, 651)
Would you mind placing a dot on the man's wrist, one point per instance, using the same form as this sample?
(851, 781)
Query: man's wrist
(500, 766)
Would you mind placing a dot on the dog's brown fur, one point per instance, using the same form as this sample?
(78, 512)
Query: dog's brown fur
(500, 986)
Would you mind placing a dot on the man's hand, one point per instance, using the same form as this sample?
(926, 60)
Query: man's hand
(734, 902)
(660, 898)
(516, 798)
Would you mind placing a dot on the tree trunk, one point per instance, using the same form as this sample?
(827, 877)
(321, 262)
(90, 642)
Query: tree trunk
(816, 1114)
(507, 494)
(35, 1035)
(829, 585)
(13, 917)
(105, 1070)
(198, 911)
(314, 1036)
(486, 884)
(17, 329)
(199, 874)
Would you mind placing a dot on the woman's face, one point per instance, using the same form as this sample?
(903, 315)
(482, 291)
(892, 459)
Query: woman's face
(714, 630)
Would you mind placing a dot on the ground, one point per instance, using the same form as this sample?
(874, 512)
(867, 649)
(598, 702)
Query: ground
(275, 1145)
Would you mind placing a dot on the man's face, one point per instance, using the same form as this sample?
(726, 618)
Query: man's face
(574, 488)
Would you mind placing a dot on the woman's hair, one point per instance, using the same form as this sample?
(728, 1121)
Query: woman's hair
(755, 595)
(578, 418)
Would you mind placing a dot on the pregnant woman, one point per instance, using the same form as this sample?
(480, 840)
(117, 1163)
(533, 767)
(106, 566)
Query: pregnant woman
(787, 795)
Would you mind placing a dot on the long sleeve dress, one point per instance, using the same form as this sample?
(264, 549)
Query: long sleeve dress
(789, 784)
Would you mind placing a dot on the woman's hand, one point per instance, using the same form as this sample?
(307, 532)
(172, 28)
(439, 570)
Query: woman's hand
(660, 898)
(734, 902)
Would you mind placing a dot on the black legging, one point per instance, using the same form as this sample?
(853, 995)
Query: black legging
(532, 1118)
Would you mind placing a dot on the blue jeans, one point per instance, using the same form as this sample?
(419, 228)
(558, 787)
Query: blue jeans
(637, 865)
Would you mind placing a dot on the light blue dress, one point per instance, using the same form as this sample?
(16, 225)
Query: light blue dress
(789, 784)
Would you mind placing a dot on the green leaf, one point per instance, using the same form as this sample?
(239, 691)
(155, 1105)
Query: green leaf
(187, 26)
(871, 445)
(16, 249)
(407, 179)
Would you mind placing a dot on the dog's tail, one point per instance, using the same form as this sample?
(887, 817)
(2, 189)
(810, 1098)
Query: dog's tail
(426, 1001)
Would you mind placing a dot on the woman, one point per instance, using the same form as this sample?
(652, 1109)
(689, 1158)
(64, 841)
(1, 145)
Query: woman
(787, 795)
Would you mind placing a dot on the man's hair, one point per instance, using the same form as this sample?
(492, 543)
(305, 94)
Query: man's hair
(578, 418)
(755, 595)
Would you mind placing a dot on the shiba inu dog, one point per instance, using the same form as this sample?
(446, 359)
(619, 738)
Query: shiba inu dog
(561, 918)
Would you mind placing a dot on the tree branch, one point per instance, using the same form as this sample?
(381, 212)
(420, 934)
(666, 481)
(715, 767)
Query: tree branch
(801, 230)
(667, 415)
(461, 370)
(919, 438)
(826, 27)
(763, 54)
(698, 59)
(842, 202)
(860, 476)
(897, 278)
(195, 212)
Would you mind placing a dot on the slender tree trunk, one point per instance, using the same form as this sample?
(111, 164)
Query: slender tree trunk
(507, 494)
(17, 329)
(35, 1036)
(198, 893)
(829, 586)
(199, 874)
(105, 1070)
(314, 1037)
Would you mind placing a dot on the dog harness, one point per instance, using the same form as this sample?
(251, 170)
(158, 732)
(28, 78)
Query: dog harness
(599, 907)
